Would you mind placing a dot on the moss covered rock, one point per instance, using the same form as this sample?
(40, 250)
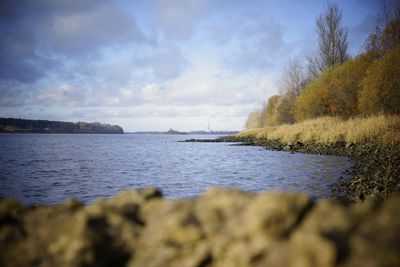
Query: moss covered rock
(220, 228)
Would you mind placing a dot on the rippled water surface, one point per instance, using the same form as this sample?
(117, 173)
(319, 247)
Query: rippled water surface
(46, 168)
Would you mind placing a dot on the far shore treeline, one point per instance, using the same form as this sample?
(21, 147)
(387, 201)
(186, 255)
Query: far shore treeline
(332, 83)
(11, 125)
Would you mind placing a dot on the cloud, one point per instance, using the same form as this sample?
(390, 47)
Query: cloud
(13, 10)
(165, 63)
(150, 92)
(117, 73)
(37, 36)
(199, 87)
(178, 19)
(202, 86)
(154, 63)
(65, 94)
(19, 60)
(253, 45)
(12, 97)
(82, 33)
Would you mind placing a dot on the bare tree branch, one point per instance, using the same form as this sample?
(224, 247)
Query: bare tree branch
(332, 41)
(293, 77)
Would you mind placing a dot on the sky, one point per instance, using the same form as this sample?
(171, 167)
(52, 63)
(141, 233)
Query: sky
(157, 64)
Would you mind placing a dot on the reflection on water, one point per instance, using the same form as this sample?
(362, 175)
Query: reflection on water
(49, 168)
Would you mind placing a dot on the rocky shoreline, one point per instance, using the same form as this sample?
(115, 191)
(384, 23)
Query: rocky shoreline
(376, 173)
(220, 228)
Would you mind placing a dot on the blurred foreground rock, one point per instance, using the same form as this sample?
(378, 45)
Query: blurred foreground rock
(221, 228)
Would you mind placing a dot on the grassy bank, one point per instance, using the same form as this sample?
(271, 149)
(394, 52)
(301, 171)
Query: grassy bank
(385, 129)
(373, 143)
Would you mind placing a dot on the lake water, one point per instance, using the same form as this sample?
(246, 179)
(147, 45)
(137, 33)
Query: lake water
(50, 168)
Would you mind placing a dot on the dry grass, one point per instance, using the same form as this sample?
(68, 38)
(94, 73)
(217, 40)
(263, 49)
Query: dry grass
(330, 129)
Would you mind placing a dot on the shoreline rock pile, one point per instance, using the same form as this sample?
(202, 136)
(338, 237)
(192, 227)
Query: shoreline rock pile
(220, 228)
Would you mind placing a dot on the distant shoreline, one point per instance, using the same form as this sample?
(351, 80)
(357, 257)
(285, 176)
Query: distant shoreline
(48, 133)
(14, 125)
(186, 133)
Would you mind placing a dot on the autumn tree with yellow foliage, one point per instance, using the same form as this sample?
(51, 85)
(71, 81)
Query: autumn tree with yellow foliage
(369, 84)
(381, 86)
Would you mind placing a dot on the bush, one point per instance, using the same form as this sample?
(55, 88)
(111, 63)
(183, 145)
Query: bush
(345, 86)
(312, 101)
(253, 120)
(381, 87)
(284, 113)
(269, 111)
(336, 91)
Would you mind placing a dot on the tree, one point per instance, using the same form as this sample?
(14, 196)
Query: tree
(293, 77)
(332, 41)
(263, 115)
(253, 120)
(270, 111)
(345, 87)
(312, 101)
(284, 111)
(336, 91)
(280, 108)
(387, 30)
(381, 86)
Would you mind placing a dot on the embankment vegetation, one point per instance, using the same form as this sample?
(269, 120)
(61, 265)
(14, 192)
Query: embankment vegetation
(338, 98)
(333, 129)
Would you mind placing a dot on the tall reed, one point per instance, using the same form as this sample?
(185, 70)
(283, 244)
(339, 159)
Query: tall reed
(331, 129)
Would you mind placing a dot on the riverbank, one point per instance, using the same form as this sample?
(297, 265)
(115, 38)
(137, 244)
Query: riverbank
(376, 173)
(219, 228)
(373, 143)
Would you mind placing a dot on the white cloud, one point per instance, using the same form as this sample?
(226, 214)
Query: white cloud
(150, 92)
(258, 46)
(165, 62)
(127, 93)
(65, 94)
